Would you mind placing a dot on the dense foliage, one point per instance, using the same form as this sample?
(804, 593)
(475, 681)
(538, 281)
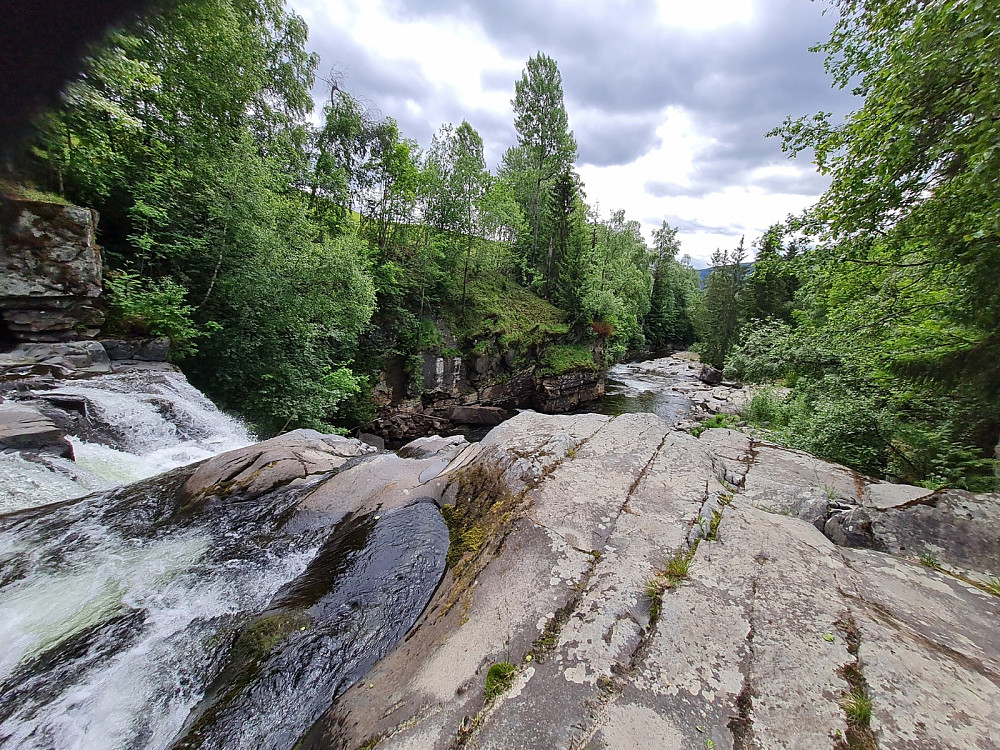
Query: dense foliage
(289, 259)
(892, 345)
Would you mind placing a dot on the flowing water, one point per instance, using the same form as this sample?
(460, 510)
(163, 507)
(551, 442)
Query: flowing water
(130, 620)
(140, 424)
(633, 388)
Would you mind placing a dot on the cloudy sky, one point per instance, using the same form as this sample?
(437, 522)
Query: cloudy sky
(669, 99)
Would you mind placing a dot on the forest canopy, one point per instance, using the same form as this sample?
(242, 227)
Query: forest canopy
(289, 252)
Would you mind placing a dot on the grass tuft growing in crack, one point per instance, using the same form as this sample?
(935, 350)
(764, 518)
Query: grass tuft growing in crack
(499, 679)
(857, 708)
(857, 702)
(992, 585)
(666, 576)
(928, 560)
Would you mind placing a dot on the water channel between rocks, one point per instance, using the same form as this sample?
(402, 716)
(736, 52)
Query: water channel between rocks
(132, 621)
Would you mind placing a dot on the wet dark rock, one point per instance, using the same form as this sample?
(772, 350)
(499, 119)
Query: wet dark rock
(485, 415)
(140, 350)
(373, 545)
(67, 360)
(561, 393)
(358, 597)
(709, 375)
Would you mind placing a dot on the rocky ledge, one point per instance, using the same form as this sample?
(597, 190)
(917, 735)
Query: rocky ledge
(616, 583)
(50, 271)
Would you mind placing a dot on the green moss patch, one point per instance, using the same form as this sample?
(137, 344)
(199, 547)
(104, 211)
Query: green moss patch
(562, 358)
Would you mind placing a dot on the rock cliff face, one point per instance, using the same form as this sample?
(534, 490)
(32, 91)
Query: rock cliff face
(476, 390)
(50, 271)
(656, 590)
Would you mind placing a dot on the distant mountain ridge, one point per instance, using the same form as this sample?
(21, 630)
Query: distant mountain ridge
(704, 273)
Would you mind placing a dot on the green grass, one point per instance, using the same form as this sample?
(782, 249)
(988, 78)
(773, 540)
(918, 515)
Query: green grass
(928, 560)
(992, 584)
(561, 358)
(726, 421)
(857, 708)
(25, 193)
(508, 314)
(499, 679)
(666, 576)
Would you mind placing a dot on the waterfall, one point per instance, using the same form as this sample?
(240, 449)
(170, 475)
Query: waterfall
(134, 618)
(148, 423)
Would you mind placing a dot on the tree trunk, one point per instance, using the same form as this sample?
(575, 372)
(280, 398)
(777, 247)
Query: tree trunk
(534, 241)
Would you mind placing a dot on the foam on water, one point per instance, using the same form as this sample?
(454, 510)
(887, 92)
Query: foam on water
(157, 421)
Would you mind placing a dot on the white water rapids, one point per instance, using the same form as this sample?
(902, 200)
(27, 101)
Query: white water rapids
(60, 580)
(138, 618)
(156, 421)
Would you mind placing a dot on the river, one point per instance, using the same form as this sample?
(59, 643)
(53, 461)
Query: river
(129, 621)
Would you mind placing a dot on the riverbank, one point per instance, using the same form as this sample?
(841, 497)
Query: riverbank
(583, 580)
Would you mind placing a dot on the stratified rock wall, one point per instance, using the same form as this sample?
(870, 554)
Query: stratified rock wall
(50, 271)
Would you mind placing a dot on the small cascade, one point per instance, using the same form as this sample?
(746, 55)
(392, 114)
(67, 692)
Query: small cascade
(137, 615)
(154, 422)
(138, 424)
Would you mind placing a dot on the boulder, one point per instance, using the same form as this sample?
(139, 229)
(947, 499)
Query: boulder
(50, 271)
(25, 427)
(709, 375)
(959, 529)
(262, 467)
(852, 528)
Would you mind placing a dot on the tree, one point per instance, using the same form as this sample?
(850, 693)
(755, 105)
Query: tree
(771, 284)
(617, 282)
(719, 316)
(904, 280)
(188, 132)
(674, 287)
(459, 182)
(543, 133)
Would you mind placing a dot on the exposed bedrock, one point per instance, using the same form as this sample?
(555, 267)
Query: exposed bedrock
(50, 271)
(568, 541)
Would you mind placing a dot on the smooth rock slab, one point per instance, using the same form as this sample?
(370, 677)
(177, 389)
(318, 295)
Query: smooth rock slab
(748, 652)
(24, 427)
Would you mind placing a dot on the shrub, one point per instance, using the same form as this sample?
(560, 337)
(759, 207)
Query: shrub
(766, 409)
(724, 421)
(153, 307)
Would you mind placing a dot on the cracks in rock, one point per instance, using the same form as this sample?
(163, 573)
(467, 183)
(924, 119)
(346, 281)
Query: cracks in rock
(741, 725)
(857, 703)
(884, 616)
(554, 626)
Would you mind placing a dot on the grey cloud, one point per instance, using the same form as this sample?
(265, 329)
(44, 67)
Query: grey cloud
(690, 226)
(736, 83)
(661, 189)
(803, 182)
(388, 88)
(607, 140)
